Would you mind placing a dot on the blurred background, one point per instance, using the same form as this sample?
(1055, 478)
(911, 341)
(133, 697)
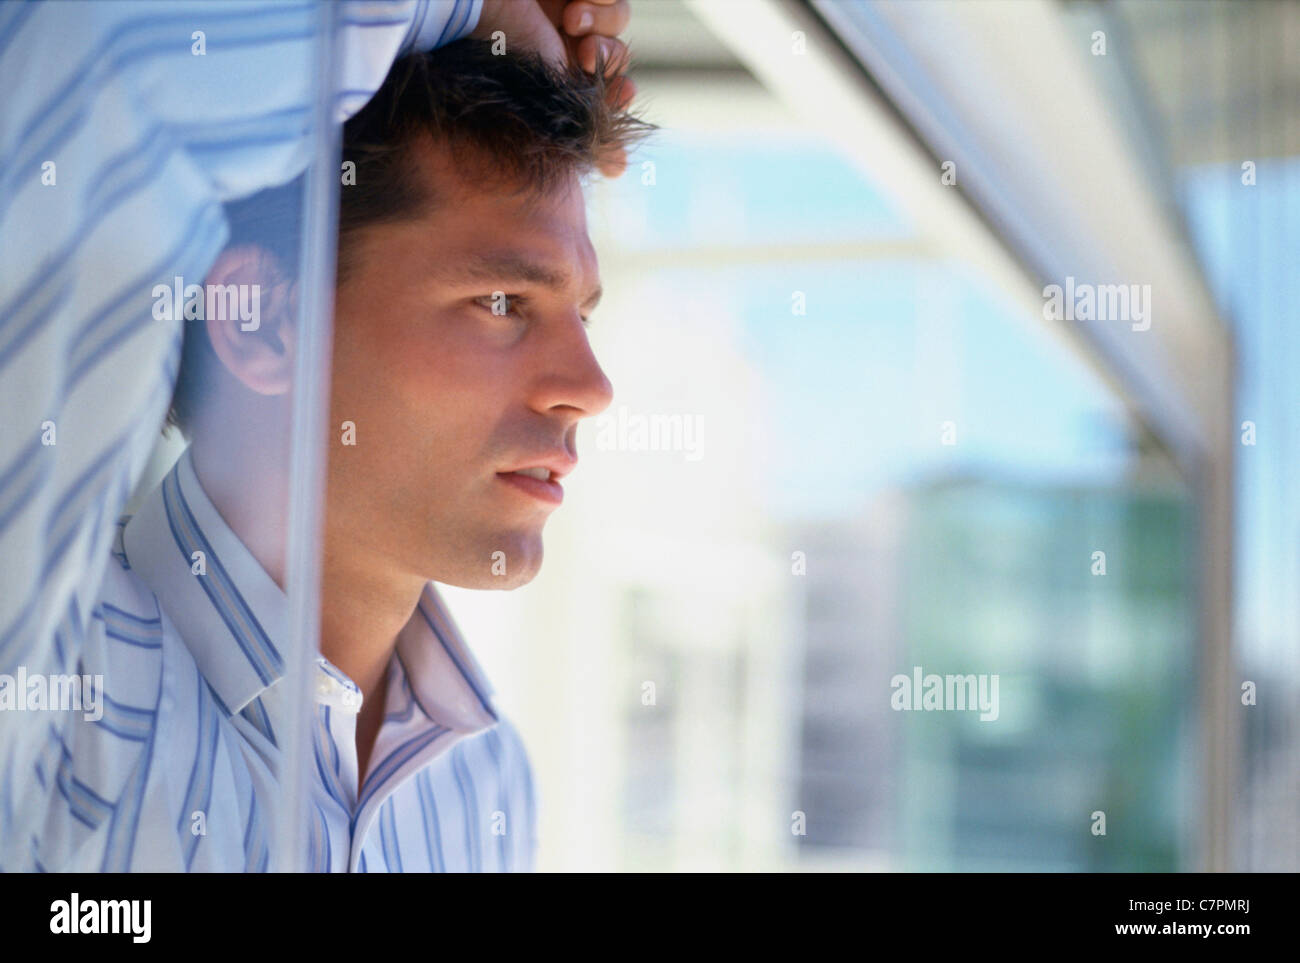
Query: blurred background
(846, 442)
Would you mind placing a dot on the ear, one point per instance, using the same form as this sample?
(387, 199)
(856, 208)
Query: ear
(256, 342)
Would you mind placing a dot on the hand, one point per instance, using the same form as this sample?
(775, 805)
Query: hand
(591, 26)
(570, 31)
(525, 25)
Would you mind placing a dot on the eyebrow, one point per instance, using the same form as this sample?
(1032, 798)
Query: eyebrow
(509, 266)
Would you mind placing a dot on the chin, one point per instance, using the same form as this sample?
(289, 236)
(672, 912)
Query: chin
(515, 580)
(512, 561)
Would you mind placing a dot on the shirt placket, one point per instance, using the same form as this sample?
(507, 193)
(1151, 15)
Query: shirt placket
(408, 740)
(337, 702)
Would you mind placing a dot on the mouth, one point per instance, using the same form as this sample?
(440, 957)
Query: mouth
(539, 483)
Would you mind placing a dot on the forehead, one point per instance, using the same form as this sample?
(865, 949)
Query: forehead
(470, 214)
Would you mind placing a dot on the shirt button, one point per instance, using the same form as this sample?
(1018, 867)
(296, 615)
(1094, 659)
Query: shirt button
(335, 692)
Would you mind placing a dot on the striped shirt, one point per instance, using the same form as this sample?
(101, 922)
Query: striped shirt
(177, 773)
(119, 143)
(124, 129)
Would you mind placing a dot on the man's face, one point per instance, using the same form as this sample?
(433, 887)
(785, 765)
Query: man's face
(449, 395)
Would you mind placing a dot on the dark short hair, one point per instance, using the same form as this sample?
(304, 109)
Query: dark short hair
(511, 121)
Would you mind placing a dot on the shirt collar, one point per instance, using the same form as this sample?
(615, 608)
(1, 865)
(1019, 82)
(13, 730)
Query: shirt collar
(233, 617)
(447, 682)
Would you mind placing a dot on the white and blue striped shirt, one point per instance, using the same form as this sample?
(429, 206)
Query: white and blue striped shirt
(119, 144)
(118, 147)
(178, 773)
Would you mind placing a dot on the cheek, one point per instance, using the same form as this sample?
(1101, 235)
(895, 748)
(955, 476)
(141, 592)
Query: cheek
(449, 361)
(378, 357)
(419, 376)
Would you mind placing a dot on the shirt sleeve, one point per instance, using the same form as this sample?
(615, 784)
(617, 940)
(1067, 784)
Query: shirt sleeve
(125, 127)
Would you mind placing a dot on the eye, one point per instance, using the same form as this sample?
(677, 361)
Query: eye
(501, 304)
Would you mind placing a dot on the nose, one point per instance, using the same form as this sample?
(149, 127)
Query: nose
(573, 379)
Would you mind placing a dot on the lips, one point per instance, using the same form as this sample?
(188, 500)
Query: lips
(548, 466)
(527, 483)
(541, 474)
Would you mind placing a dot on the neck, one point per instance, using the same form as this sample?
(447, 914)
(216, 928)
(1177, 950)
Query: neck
(365, 604)
(251, 493)
(366, 609)
(365, 601)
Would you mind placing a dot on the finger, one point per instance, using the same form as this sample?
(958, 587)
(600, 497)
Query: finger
(613, 163)
(620, 92)
(527, 26)
(554, 11)
(606, 17)
(613, 51)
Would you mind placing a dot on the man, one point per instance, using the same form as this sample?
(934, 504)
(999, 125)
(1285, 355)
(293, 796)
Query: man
(461, 368)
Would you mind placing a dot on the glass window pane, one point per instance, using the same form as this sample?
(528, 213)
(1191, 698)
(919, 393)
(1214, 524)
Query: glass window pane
(835, 458)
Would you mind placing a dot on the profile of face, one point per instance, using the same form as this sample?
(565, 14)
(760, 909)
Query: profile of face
(461, 356)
